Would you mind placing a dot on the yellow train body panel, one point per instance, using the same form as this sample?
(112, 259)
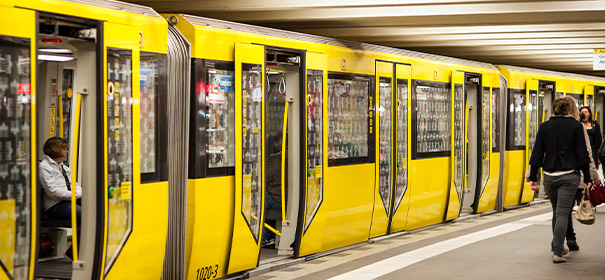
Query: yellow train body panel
(348, 202)
(487, 201)
(144, 253)
(513, 177)
(209, 224)
(428, 195)
(153, 30)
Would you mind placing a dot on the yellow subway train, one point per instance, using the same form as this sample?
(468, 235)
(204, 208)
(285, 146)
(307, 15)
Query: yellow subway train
(198, 141)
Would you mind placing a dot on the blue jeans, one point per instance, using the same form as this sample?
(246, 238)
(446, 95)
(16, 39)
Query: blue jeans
(62, 211)
(562, 192)
(270, 204)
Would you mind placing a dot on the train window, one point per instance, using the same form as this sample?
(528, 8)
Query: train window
(533, 118)
(212, 135)
(495, 120)
(314, 144)
(431, 115)
(485, 139)
(350, 118)
(153, 87)
(516, 120)
(590, 102)
(119, 152)
(252, 145)
(402, 141)
(15, 140)
(385, 136)
(578, 97)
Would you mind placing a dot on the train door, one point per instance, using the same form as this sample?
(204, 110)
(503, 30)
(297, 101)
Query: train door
(546, 96)
(473, 149)
(285, 128)
(18, 202)
(311, 220)
(458, 153)
(384, 167)
(531, 123)
(401, 195)
(66, 85)
(249, 158)
(391, 169)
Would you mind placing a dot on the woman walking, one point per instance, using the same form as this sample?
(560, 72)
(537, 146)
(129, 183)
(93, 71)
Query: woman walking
(560, 150)
(594, 132)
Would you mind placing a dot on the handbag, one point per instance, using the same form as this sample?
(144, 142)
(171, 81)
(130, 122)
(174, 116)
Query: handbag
(585, 214)
(596, 194)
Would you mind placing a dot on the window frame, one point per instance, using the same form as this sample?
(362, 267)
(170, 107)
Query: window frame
(198, 144)
(161, 121)
(414, 120)
(371, 119)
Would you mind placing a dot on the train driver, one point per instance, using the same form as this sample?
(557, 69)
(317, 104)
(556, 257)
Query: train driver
(55, 178)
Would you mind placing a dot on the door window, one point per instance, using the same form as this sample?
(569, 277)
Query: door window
(402, 140)
(384, 159)
(119, 151)
(252, 144)
(15, 156)
(314, 144)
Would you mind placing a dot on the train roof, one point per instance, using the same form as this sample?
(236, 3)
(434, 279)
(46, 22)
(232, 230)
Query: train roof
(203, 21)
(119, 6)
(552, 73)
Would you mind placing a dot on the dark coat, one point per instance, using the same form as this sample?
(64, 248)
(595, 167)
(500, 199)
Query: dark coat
(560, 146)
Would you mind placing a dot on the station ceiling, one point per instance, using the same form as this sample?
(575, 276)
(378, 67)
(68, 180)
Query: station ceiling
(553, 35)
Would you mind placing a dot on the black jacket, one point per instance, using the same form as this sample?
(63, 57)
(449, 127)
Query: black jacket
(560, 146)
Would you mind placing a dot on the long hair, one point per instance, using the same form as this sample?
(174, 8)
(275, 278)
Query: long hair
(565, 106)
(589, 113)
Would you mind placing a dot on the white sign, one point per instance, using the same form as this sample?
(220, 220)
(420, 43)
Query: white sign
(598, 59)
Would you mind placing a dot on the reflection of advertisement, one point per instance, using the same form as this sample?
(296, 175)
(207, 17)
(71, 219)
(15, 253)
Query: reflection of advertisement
(24, 88)
(342, 89)
(257, 95)
(145, 77)
(218, 85)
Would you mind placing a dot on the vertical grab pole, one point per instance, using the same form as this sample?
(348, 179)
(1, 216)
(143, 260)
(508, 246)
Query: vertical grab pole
(283, 162)
(60, 115)
(74, 175)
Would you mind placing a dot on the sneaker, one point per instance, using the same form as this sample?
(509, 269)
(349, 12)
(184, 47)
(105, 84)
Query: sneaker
(558, 259)
(268, 242)
(565, 251)
(573, 245)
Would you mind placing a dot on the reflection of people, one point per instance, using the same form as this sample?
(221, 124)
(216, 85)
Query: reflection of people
(560, 149)
(55, 177)
(273, 179)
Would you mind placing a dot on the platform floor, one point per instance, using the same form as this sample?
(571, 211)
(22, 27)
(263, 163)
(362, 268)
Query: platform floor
(510, 245)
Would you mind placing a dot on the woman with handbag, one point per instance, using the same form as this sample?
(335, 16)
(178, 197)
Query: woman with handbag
(570, 236)
(560, 149)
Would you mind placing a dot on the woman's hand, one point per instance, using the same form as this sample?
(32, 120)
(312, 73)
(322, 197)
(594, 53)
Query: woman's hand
(534, 185)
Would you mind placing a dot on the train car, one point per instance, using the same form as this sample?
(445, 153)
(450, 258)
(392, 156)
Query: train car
(529, 98)
(366, 143)
(244, 132)
(93, 73)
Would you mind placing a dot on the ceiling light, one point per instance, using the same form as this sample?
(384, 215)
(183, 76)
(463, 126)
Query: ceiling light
(55, 50)
(58, 58)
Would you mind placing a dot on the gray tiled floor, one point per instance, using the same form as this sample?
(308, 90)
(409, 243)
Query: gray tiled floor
(522, 253)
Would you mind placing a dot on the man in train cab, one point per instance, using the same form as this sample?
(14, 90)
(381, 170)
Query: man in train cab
(273, 201)
(55, 178)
